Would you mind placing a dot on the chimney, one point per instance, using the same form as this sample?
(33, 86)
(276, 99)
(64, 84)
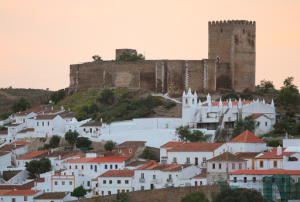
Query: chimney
(279, 150)
(15, 145)
(34, 183)
(51, 150)
(51, 108)
(62, 107)
(59, 157)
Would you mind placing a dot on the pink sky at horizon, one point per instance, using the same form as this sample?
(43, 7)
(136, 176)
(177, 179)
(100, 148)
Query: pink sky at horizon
(40, 39)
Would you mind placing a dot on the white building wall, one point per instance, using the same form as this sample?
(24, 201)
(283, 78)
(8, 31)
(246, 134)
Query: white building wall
(114, 187)
(265, 125)
(235, 147)
(268, 164)
(182, 157)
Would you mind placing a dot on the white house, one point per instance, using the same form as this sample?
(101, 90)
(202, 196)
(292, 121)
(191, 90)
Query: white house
(49, 124)
(90, 129)
(265, 124)
(249, 157)
(165, 148)
(156, 176)
(71, 124)
(246, 142)
(194, 153)
(18, 195)
(199, 180)
(113, 182)
(5, 159)
(212, 115)
(291, 162)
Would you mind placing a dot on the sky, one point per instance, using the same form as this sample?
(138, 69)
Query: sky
(40, 39)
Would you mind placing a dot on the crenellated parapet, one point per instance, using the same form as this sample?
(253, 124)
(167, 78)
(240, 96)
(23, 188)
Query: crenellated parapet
(231, 22)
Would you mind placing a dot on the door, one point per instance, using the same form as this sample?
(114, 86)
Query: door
(196, 184)
(152, 187)
(95, 168)
(196, 161)
(200, 182)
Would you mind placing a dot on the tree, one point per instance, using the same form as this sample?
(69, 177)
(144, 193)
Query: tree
(288, 83)
(183, 132)
(195, 136)
(93, 108)
(239, 195)
(71, 137)
(79, 192)
(147, 153)
(82, 115)
(106, 96)
(83, 142)
(288, 98)
(21, 105)
(248, 123)
(57, 96)
(37, 167)
(127, 57)
(97, 58)
(282, 126)
(109, 145)
(266, 86)
(274, 143)
(54, 141)
(197, 196)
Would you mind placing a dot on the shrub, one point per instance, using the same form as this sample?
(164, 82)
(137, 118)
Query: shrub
(202, 99)
(232, 96)
(83, 142)
(54, 141)
(134, 104)
(109, 145)
(169, 105)
(246, 96)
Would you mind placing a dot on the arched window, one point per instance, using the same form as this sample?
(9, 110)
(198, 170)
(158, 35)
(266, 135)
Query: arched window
(221, 30)
(193, 101)
(186, 101)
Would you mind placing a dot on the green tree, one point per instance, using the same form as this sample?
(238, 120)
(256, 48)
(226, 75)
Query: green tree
(93, 108)
(282, 126)
(97, 58)
(71, 137)
(274, 143)
(82, 115)
(288, 83)
(288, 98)
(54, 141)
(4, 115)
(21, 105)
(147, 153)
(197, 196)
(57, 96)
(37, 167)
(239, 195)
(109, 145)
(83, 142)
(248, 123)
(127, 57)
(107, 96)
(121, 197)
(79, 192)
(195, 136)
(266, 86)
(183, 132)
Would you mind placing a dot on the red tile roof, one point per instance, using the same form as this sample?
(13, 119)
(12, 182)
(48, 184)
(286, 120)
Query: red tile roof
(30, 184)
(113, 159)
(118, 173)
(21, 192)
(26, 130)
(247, 154)
(52, 195)
(255, 116)
(8, 187)
(272, 154)
(150, 163)
(20, 143)
(171, 144)
(266, 172)
(46, 117)
(201, 175)
(196, 147)
(225, 103)
(33, 154)
(226, 156)
(247, 137)
(131, 144)
(4, 132)
(80, 160)
(176, 167)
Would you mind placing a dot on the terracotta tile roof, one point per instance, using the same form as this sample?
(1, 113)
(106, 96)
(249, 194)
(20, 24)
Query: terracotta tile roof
(30, 185)
(52, 195)
(53, 111)
(266, 172)
(96, 179)
(33, 154)
(8, 187)
(4, 132)
(201, 175)
(37, 109)
(176, 167)
(2, 153)
(10, 147)
(149, 164)
(136, 163)
(46, 117)
(255, 116)
(131, 144)
(80, 160)
(118, 173)
(247, 154)
(14, 124)
(272, 154)
(247, 137)
(91, 124)
(66, 156)
(21, 192)
(225, 103)
(171, 144)
(3, 192)
(196, 147)
(26, 130)
(68, 115)
(20, 143)
(108, 159)
(226, 156)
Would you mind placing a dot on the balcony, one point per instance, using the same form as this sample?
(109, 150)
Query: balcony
(169, 180)
(164, 157)
(203, 164)
(142, 179)
(154, 181)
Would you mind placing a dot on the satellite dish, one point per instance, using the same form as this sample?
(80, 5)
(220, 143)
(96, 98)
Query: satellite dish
(50, 101)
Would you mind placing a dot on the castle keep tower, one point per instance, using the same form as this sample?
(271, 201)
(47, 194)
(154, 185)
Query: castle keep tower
(233, 42)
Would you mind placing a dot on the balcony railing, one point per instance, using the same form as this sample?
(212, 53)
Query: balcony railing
(164, 157)
(142, 179)
(204, 164)
(169, 180)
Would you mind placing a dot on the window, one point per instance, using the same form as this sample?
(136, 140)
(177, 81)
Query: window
(88, 183)
(213, 178)
(109, 192)
(221, 30)
(204, 160)
(234, 179)
(48, 123)
(188, 160)
(170, 176)
(254, 179)
(13, 200)
(82, 167)
(91, 167)
(69, 167)
(213, 166)
(84, 129)
(102, 192)
(196, 161)
(245, 179)
(104, 181)
(119, 150)
(111, 166)
(127, 190)
(223, 150)
(118, 191)
(63, 183)
(233, 166)
(154, 177)
(123, 190)
(142, 188)
(37, 123)
(47, 190)
(110, 181)
(96, 129)
(43, 123)
(25, 198)
(186, 101)
(126, 181)
(142, 175)
(55, 182)
(261, 164)
(91, 130)
(240, 166)
(119, 181)
(82, 182)
(105, 166)
(174, 160)
(75, 166)
(193, 101)
(65, 173)
(220, 166)
(266, 123)
(116, 166)
(275, 164)
(130, 150)
(70, 182)
(72, 173)
(97, 184)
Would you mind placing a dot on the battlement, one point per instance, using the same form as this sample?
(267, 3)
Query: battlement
(231, 22)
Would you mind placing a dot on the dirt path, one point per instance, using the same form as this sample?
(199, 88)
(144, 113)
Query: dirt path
(8, 95)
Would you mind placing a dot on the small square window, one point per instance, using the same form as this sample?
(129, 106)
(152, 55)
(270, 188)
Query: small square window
(116, 166)
(104, 181)
(69, 167)
(174, 160)
(110, 181)
(126, 181)
(55, 182)
(111, 166)
(63, 183)
(105, 166)
(234, 179)
(188, 160)
(154, 177)
(142, 188)
(233, 166)
(91, 166)
(70, 182)
(261, 164)
(240, 166)
(266, 123)
(275, 164)
(119, 181)
(220, 166)
(130, 150)
(109, 192)
(245, 179)
(254, 179)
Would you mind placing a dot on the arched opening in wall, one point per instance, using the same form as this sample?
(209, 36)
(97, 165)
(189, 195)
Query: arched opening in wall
(224, 81)
(193, 100)
(243, 31)
(221, 30)
(186, 101)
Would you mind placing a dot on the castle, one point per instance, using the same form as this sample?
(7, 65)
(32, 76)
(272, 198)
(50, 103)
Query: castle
(230, 64)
